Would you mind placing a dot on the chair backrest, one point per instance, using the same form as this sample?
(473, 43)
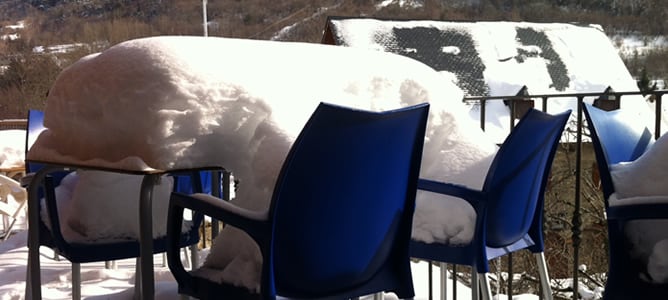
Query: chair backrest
(343, 203)
(516, 179)
(35, 127)
(617, 136)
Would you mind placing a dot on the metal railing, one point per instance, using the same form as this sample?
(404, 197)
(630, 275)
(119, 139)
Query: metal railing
(607, 95)
(13, 124)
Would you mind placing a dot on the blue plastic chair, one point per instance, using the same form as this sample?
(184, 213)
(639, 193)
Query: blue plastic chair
(78, 253)
(620, 136)
(339, 222)
(509, 207)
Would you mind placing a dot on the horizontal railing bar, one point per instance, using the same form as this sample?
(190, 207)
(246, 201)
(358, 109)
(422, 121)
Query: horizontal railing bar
(564, 95)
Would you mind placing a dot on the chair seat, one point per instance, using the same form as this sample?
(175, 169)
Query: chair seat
(459, 254)
(613, 200)
(641, 207)
(111, 249)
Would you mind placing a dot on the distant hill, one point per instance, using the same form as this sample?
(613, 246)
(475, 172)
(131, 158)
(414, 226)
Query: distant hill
(28, 63)
(260, 19)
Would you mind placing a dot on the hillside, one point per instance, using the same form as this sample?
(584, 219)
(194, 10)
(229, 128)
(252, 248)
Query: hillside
(262, 19)
(93, 25)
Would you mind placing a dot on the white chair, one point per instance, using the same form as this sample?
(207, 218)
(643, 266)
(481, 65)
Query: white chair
(10, 188)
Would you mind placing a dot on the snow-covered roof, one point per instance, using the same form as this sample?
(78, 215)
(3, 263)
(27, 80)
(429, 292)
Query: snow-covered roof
(472, 50)
(497, 58)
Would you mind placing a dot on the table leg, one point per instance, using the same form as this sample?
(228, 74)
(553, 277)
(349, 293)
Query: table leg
(146, 236)
(33, 275)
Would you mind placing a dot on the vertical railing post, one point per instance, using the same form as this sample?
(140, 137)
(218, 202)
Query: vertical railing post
(454, 282)
(430, 280)
(218, 190)
(510, 276)
(544, 109)
(483, 103)
(576, 211)
(657, 117)
(444, 280)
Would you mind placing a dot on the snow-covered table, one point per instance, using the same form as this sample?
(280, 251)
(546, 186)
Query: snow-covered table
(150, 179)
(153, 105)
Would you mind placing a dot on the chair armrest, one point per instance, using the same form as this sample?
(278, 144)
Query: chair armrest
(635, 208)
(473, 197)
(14, 186)
(25, 180)
(638, 211)
(7, 180)
(231, 208)
(254, 223)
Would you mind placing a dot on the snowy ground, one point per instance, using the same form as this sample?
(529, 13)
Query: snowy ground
(117, 284)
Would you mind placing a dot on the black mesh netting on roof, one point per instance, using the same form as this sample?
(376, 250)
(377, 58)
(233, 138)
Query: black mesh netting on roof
(427, 44)
(555, 66)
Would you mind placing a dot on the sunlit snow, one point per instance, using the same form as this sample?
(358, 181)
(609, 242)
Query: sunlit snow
(240, 103)
(190, 101)
(553, 58)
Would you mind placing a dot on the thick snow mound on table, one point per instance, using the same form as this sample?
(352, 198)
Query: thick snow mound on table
(180, 102)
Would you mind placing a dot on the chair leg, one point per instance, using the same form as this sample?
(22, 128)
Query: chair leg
(137, 290)
(194, 257)
(484, 286)
(544, 276)
(186, 258)
(475, 285)
(444, 279)
(5, 224)
(110, 264)
(28, 291)
(76, 281)
(8, 230)
(8, 227)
